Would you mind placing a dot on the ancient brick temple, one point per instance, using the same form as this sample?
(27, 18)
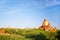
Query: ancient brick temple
(47, 27)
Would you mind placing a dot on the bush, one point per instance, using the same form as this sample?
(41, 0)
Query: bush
(30, 34)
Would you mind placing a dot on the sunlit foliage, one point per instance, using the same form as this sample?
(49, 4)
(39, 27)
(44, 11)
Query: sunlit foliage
(30, 34)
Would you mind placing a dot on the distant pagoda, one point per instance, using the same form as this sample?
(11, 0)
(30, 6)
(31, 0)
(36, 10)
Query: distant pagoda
(47, 27)
(45, 24)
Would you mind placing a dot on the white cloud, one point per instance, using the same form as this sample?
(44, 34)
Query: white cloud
(52, 3)
(43, 4)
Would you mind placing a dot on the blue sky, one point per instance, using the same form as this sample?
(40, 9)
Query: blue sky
(29, 13)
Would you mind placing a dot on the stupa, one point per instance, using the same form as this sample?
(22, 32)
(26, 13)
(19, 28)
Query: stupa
(47, 26)
(45, 23)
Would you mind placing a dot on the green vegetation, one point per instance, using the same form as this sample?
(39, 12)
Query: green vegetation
(28, 34)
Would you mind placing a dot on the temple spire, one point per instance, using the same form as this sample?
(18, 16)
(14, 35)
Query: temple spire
(45, 23)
